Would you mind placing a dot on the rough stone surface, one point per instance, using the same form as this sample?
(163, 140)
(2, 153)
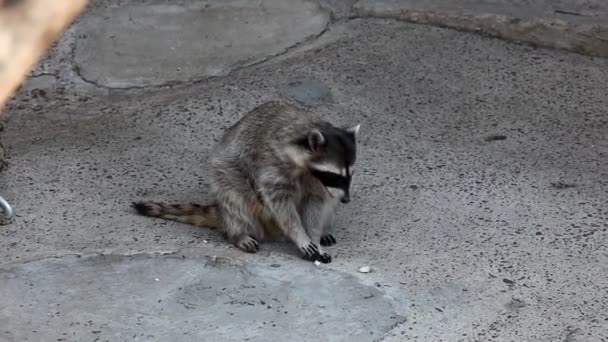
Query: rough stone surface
(166, 298)
(340, 9)
(479, 199)
(153, 42)
(308, 92)
(575, 25)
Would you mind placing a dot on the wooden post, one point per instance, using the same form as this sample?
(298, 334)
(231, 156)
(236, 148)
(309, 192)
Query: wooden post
(28, 28)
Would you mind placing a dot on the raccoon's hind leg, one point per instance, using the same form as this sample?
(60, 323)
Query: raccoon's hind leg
(241, 234)
(240, 222)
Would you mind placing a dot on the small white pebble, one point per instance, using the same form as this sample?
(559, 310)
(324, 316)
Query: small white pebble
(317, 262)
(365, 269)
(156, 279)
(205, 241)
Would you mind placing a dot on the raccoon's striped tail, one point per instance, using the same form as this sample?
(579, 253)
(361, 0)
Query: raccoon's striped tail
(192, 213)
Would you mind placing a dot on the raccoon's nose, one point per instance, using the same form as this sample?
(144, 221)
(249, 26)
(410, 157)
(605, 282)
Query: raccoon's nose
(345, 199)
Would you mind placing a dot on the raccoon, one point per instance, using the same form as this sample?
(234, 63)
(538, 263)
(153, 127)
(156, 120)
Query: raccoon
(278, 173)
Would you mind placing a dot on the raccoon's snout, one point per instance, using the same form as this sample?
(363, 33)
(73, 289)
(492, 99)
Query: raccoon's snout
(345, 198)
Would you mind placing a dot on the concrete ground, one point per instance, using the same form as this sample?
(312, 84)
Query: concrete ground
(480, 202)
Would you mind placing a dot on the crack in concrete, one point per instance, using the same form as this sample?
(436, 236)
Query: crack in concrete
(8, 266)
(333, 16)
(42, 74)
(352, 13)
(574, 38)
(244, 65)
(310, 40)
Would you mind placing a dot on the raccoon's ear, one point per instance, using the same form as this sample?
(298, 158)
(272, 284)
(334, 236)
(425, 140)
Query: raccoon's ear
(354, 130)
(316, 140)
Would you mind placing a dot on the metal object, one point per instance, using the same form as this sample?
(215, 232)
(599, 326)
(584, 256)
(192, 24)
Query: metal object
(7, 210)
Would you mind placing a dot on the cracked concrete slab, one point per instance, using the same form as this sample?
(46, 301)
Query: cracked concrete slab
(479, 195)
(574, 25)
(153, 42)
(162, 298)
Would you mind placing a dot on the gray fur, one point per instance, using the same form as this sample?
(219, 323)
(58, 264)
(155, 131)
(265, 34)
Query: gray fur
(261, 180)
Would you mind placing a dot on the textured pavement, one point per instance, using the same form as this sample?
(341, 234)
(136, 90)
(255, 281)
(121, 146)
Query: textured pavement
(480, 200)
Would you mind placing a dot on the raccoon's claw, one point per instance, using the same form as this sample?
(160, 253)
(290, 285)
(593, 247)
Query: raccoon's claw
(328, 240)
(248, 244)
(310, 252)
(325, 258)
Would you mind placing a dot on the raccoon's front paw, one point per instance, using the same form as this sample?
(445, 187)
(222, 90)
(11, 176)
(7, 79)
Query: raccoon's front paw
(248, 244)
(310, 252)
(328, 240)
(325, 258)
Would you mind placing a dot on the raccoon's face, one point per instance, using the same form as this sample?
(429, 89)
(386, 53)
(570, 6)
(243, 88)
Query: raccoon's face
(333, 155)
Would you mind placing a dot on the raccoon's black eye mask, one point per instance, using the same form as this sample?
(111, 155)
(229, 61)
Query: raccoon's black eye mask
(332, 180)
